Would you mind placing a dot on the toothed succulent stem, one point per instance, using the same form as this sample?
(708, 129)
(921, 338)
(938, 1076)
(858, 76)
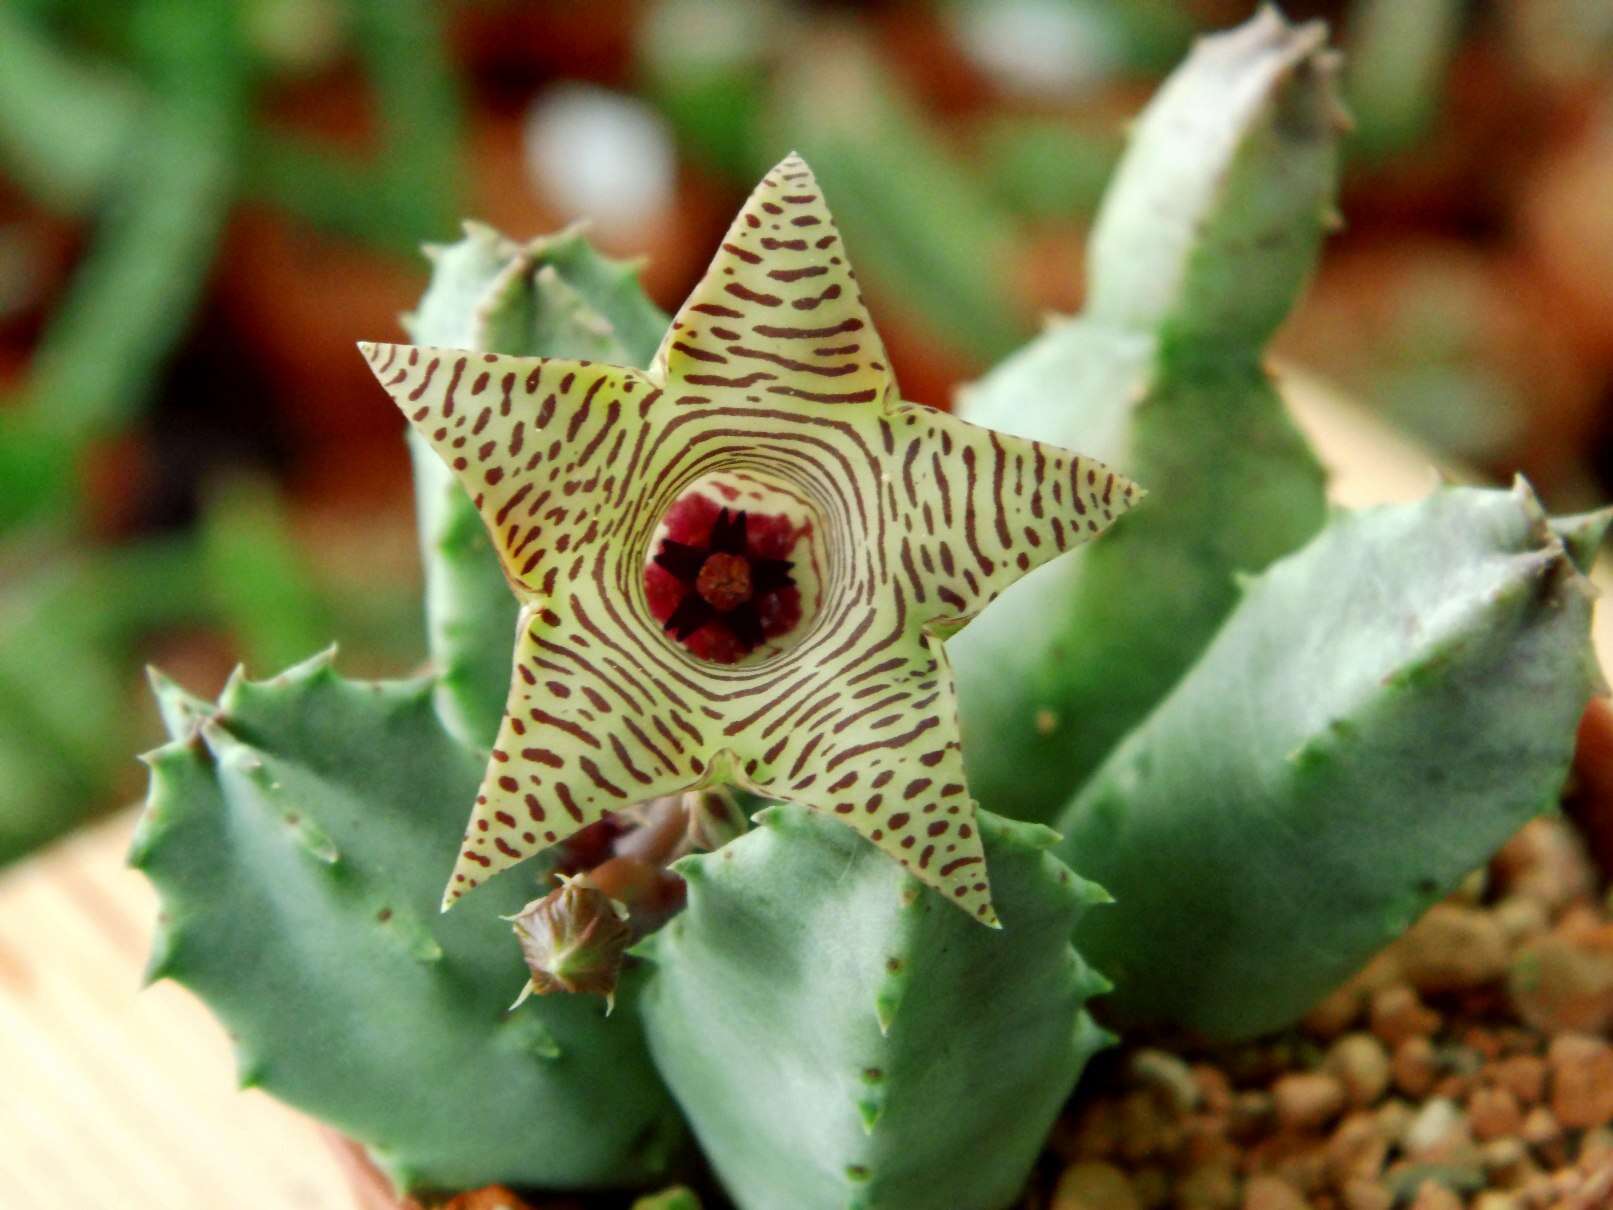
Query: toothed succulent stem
(295, 834)
(1382, 710)
(1213, 222)
(1208, 231)
(924, 1058)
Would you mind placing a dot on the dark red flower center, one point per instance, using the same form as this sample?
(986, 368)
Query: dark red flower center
(724, 580)
(716, 584)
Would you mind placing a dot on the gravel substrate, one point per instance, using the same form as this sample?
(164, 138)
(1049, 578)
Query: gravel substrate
(1467, 1067)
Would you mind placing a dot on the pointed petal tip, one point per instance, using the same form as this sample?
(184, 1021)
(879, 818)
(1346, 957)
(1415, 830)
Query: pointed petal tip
(791, 163)
(379, 353)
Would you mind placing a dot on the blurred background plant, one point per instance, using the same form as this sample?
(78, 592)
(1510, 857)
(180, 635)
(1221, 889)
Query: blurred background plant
(204, 203)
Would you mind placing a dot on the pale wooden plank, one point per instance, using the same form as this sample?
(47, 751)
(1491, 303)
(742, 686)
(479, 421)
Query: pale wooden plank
(174, 1107)
(121, 1097)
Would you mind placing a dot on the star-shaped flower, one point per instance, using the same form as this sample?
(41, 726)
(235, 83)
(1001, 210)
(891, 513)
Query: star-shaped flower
(769, 396)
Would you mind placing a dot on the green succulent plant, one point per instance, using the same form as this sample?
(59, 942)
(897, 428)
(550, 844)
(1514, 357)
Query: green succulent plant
(738, 559)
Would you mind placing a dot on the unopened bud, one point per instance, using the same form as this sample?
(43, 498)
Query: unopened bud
(573, 939)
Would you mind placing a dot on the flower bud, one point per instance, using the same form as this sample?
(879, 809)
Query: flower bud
(572, 939)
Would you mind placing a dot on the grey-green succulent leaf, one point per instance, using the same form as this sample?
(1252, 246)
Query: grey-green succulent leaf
(1212, 224)
(1381, 711)
(1206, 236)
(296, 833)
(553, 296)
(840, 1038)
